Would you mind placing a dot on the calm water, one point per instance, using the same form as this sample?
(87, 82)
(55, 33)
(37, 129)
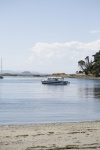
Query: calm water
(26, 100)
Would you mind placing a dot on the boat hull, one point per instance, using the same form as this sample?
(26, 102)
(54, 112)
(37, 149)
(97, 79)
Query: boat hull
(1, 77)
(55, 83)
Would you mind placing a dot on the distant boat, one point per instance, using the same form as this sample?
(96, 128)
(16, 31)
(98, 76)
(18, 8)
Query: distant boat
(1, 77)
(55, 81)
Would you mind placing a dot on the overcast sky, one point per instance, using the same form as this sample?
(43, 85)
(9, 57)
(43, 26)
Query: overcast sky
(48, 36)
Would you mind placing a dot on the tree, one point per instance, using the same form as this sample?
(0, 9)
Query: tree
(89, 66)
(96, 64)
(85, 65)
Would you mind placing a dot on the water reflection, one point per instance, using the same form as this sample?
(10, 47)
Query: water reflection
(96, 92)
(85, 92)
(89, 89)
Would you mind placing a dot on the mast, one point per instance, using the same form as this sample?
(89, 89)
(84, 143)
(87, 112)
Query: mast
(1, 66)
(1, 77)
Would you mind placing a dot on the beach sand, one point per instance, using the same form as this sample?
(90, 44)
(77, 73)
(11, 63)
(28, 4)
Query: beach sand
(58, 136)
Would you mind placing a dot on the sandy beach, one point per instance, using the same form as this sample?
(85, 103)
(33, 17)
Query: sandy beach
(58, 136)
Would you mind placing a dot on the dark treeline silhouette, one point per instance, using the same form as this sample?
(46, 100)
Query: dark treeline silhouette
(91, 67)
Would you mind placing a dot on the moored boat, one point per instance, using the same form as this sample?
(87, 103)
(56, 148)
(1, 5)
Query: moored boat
(1, 77)
(55, 81)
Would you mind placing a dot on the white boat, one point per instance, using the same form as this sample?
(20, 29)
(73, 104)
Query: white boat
(1, 77)
(55, 81)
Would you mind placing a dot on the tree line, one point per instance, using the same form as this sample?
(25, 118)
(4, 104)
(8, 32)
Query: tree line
(91, 67)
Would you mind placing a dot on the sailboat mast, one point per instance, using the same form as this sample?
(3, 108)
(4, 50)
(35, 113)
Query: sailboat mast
(1, 77)
(1, 66)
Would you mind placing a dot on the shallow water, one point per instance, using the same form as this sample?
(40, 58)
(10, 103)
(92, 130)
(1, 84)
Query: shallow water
(26, 100)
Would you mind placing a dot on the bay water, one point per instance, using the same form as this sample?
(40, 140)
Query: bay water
(24, 100)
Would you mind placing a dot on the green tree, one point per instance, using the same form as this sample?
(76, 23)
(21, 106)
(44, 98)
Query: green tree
(96, 64)
(86, 65)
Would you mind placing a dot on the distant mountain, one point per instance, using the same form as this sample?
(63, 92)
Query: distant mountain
(19, 72)
(10, 71)
(32, 72)
(26, 72)
(35, 72)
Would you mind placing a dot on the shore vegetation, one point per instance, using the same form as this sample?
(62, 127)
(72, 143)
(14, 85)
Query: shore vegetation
(91, 67)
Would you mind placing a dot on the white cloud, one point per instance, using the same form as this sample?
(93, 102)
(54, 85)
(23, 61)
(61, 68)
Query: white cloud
(94, 31)
(61, 57)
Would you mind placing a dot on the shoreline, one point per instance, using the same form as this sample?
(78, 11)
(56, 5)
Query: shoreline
(51, 123)
(77, 76)
(53, 136)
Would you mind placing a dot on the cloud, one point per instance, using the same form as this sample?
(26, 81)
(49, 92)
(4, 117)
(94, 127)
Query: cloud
(94, 31)
(61, 57)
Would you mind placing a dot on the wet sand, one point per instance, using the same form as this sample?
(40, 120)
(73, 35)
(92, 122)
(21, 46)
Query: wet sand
(62, 136)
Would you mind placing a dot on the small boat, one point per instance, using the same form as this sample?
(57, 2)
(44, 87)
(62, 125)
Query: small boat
(1, 77)
(55, 81)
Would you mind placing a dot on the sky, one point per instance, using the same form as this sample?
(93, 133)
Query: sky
(48, 36)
